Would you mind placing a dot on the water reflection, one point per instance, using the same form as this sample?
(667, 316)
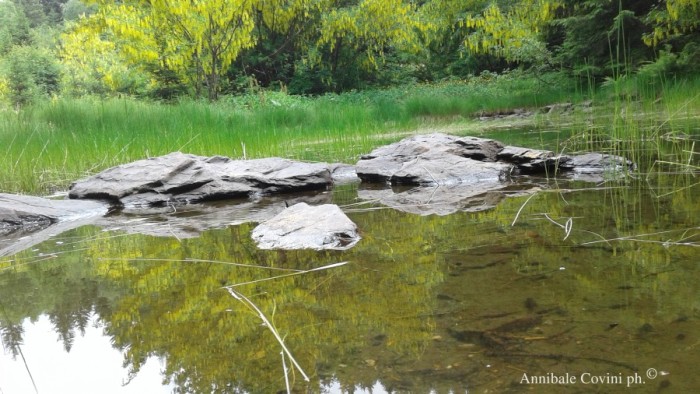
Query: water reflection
(441, 303)
(91, 365)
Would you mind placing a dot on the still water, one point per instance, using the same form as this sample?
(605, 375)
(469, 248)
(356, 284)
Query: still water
(510, 299)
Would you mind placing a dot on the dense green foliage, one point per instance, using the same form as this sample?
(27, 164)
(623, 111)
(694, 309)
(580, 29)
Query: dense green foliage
(207, 48)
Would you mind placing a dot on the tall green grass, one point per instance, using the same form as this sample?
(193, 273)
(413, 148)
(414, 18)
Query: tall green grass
(647, 121)
(46, 146)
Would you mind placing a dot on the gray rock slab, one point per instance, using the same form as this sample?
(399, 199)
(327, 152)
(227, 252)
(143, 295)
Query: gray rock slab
(468, 173)
(28, 220)
(433, 159)
(179, 178)
(532, 161)
(343, 173)
(304, 226)
(436, 168)
(596, 167)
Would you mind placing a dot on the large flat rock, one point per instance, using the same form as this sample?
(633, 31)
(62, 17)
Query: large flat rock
(454, 173)
(304, 226)
(179, 178)
(442, 159)
(434, 159)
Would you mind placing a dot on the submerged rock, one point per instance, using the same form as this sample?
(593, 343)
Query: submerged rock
(28, 220)
(303, 226)
(179, 178)
(596, 167)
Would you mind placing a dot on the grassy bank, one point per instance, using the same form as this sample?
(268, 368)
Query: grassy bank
(46, 146)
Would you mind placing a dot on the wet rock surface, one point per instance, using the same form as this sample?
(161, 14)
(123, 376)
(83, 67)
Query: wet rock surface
(179, 178)
(433, 159)
(596, 167)
(441, 159)
(454, 173)
(19, 213)
(531, 161)
(24, 219)
(303, 226)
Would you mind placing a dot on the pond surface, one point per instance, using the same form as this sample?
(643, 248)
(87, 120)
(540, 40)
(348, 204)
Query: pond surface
(510, 299)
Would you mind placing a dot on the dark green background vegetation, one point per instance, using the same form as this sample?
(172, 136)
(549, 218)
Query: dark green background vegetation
(591, 41)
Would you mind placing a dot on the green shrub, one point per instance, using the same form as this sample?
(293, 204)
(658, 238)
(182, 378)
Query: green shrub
(30, 73)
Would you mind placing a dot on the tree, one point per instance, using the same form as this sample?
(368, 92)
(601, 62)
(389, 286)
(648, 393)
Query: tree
(198, 40)
(31, 72)
(94, 64)
(355, 37)
(14, 27)
(504, 28)
(33, 10)
(72, 10)
(600, 38)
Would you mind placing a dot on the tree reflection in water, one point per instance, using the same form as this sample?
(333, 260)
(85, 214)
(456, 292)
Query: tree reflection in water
(425, 303)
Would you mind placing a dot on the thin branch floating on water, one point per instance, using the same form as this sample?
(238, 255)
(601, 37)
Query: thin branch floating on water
(287, 275)
(189, 260)
(666, 243)
(517, 215)
(252, 305)
(286, 373)
(567, 226)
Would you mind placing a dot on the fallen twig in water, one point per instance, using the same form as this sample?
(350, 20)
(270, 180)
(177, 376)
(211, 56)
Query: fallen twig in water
(637, 238)
(517, 215)
(286, 374)
(204, 261)
(250, 304)
(287, 275)
(567, 227)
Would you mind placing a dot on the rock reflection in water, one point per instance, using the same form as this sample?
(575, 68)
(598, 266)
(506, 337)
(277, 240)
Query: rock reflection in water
(427, 302)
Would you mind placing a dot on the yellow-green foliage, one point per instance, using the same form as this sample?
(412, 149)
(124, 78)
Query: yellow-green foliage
(504, 32)
(677, 17)
(4, 89)
(371, 26)
(93, 61)
(506, 29)
(197, 40)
